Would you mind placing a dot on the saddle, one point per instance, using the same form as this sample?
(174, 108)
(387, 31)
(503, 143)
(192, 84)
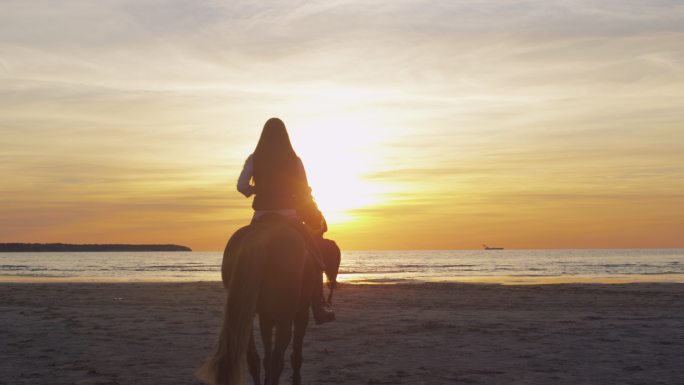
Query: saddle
(303, 230)
(325, 252)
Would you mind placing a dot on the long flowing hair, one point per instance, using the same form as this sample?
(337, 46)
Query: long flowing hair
(275, 160)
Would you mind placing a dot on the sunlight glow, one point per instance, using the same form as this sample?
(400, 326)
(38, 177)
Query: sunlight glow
(336, 154)
(434, 127)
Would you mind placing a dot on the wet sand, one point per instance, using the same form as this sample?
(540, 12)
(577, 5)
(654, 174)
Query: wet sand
(158, 333)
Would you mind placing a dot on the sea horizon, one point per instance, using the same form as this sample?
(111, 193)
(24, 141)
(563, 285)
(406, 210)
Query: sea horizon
(509, 266)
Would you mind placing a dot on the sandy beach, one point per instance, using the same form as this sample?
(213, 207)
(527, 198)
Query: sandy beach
(158, 333)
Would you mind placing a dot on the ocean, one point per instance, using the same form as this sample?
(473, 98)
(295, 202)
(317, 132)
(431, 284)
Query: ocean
(500, 266)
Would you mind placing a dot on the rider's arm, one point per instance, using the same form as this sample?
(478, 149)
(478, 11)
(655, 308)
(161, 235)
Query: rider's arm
(243, 184)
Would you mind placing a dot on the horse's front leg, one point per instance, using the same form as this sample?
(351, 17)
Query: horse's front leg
(300, 324)
(266, 328)
(253, 361)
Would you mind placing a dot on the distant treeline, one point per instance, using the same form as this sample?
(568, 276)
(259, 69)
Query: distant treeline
(65, 247)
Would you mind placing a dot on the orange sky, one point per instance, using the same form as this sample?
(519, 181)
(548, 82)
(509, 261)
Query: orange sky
(421, 127)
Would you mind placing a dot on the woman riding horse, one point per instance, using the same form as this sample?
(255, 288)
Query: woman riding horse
(275, 175)
(272, 268)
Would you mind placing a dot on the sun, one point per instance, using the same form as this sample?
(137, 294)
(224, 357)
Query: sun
(339, 190)
(338, 155)
(342, 143)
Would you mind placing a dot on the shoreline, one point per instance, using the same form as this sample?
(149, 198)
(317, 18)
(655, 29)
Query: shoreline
(427, 333)
(370, 279)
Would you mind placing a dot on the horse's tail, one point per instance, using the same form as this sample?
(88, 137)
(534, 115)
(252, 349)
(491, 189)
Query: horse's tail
(242, 283)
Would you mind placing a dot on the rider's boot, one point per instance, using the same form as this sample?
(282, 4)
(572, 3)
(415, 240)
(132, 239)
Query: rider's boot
(322, 312)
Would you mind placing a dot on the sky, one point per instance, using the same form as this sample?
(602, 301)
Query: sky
(422, 124)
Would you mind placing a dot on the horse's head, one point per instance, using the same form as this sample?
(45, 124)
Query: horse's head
(331, 257)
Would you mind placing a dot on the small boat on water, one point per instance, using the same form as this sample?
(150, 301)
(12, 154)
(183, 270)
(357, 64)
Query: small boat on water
(492, 248)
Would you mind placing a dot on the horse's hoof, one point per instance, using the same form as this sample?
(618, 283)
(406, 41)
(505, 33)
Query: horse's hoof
(323, 314)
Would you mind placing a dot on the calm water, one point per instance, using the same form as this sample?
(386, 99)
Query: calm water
(507, 266)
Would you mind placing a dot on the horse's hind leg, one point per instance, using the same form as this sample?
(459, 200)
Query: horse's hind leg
(300, 324)
(282, 340)
(266, 328)
(253, 361)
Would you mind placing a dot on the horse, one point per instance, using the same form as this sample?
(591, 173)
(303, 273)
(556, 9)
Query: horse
(266, 270)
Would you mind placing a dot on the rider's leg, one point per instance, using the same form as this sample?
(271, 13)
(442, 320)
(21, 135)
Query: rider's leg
(321, 310)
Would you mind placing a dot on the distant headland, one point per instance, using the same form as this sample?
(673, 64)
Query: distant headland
(65, 247)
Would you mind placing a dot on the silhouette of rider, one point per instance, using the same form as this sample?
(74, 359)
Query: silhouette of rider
(275, 175)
